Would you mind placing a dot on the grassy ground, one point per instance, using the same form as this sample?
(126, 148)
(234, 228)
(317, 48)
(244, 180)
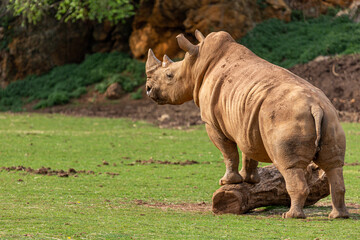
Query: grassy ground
(104, 205)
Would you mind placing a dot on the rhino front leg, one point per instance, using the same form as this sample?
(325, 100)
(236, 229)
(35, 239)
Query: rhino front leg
(249, 170)
(231, 155)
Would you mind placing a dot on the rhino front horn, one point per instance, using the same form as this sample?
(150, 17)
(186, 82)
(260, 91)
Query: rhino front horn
(166, 61)
(186, 45)
(152, 62)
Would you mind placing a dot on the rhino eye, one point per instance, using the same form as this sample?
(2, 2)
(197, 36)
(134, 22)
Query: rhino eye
(169, 75)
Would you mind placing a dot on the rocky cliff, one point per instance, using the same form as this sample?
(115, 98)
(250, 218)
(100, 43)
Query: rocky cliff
(157, 22)
(36, 49)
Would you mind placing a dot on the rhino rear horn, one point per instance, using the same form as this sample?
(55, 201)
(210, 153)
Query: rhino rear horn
(199, 36)
(152, 62)
(166, 61)
(186, 45)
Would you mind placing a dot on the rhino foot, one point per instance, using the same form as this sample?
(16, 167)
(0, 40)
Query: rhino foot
(231, 178)
(250, 177)
(339, 214)
(294, 214)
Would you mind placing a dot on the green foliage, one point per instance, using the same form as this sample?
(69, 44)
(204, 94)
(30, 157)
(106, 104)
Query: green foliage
(7, 31)
(33, 11)
(70, 81)
(262, 4)
(137, 95)
(300, 41)
(130, 78)
(102, 206)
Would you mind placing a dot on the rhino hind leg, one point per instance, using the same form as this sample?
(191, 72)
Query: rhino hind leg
(296, 186)
(249, 170)
(337, 190)
(331, 159)
(231, 156)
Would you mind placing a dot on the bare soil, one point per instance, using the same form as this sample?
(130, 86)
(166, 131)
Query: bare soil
(46, 171)
(337, 77)
(192, 207)
(152, 161)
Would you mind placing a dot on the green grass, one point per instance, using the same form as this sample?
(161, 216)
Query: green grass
(101, 206)
(301, 40)
(63, 83)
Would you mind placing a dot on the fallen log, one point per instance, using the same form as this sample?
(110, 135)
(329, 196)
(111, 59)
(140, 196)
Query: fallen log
(270, 191)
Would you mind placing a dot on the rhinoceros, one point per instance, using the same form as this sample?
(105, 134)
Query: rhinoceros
(269, 113)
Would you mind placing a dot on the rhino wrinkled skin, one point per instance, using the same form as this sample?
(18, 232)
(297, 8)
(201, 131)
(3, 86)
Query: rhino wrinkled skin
(270, 114)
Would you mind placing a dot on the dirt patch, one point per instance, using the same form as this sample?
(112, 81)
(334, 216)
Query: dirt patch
(319, 209)
(192, 207)
(152, 161)
(352, 164)
(338, 77)
(349, 116)
(353, 208)
(46, 171)
(168, 116)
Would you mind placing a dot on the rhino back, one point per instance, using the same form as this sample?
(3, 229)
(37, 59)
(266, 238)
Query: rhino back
(247, 97)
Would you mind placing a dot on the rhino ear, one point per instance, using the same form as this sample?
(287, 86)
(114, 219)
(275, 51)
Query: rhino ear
(166, 61)
(199, 36)
(152, 62)
(186, 45)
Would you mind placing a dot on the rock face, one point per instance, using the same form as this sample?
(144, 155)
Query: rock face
(37, 49)
(353, 11)
(157, 22)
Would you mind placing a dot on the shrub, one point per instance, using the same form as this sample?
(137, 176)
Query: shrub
(129, 79)
(33, 11)
(137, 95)
(301, 40)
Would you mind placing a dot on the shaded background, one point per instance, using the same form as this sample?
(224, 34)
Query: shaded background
(36, 49)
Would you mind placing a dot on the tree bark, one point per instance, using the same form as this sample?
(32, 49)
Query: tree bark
(270, 191)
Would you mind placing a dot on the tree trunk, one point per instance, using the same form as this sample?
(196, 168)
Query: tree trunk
(270, 191)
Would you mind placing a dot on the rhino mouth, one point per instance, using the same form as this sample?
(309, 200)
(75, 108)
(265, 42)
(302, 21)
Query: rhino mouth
(158, 101)
(155, 96)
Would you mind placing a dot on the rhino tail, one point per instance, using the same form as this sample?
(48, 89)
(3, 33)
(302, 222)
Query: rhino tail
(317, 113)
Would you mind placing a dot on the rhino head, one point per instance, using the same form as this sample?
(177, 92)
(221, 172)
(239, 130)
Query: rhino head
(170, 82)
